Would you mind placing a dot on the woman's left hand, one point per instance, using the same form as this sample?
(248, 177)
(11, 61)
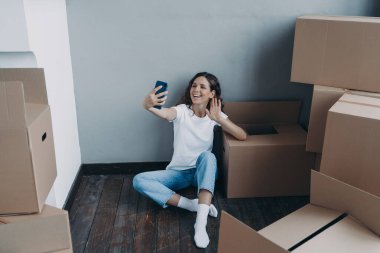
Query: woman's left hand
(215, 109)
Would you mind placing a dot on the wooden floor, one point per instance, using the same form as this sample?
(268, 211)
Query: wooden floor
(108, 215)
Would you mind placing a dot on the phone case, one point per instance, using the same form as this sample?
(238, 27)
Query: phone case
(162, 89)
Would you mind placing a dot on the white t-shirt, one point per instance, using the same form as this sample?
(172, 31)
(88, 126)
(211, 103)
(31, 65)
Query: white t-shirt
(192, 136)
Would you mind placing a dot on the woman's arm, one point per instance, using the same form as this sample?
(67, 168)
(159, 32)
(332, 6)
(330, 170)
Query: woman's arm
(153, 99)
(227, 125)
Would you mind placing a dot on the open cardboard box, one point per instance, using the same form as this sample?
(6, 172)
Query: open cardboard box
(323, 99)
(272, 161)
(48, 231)
(337, 51)
(317, 227)
(352, 142)
(27, 158)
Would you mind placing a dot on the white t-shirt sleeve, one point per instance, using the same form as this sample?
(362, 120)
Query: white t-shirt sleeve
(181, 110)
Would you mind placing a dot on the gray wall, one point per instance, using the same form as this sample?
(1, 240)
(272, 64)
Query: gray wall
(120, 48)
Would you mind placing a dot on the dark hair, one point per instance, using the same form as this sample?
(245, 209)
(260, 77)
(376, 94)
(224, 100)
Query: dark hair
(214, 86)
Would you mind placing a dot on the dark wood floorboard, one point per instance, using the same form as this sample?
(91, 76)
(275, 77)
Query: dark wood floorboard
(85, 207)
(102, 226)
(123, 227)
(108, 215)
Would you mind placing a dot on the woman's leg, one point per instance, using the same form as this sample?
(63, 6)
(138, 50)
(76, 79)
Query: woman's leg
(160, 185)
(205, 176)
(204, 179)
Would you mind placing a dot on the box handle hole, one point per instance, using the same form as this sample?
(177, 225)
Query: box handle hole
(43, 136)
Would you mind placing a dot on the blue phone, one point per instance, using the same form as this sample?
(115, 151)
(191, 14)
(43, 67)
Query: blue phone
(162, 89)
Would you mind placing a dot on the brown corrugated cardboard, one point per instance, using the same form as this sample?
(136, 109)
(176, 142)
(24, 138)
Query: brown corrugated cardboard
(329, 198)
(268, 164)
(323, 99)
(48, 231)
(33, 80)
(347, 235)
(337, 51)
(303, 221)
(263, 112)
(352, 142)
(27, 159)
(317, 164)
(235, 236)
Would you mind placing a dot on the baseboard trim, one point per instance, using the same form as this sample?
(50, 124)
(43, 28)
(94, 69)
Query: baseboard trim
(122, 168)
(73, 189)
(109, 169)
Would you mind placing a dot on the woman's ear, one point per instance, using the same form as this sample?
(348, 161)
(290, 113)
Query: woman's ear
(212, 94)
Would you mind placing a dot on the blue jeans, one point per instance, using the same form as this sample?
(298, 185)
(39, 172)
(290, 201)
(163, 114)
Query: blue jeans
(161, 185)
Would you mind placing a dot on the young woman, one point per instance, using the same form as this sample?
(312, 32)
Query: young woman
(192, 162)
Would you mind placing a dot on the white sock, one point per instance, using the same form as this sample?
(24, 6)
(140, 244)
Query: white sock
(192, 205)
(201, 237)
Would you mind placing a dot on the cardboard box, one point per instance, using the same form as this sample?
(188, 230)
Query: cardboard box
(337, 51)
(48, 231)
(27, 158)
(263, 112)
(272, 161)
(317, 227)
(318, 159)
(323, 99)
(352, 142)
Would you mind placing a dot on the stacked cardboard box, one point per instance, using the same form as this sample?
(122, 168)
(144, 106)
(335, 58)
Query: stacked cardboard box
(341, 55)
(338, 55)
(272, 161)
(48, 231)
(27, 167)
(324, 98)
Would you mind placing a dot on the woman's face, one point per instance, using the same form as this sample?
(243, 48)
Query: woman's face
(200, 91)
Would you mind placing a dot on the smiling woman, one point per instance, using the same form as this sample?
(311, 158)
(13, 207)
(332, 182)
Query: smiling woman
(192, 162)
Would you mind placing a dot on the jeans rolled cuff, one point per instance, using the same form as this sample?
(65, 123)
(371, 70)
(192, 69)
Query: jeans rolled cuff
(164, 205)
(208, 189)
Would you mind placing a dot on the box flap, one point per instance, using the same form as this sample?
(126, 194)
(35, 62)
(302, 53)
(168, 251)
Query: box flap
(342, 18)
(235, 236)
(346, 236)
(33, 80)
(360, 106)
(287, 134)
(323, 99)
(12, 105)
(33, 111)
(298, 225)
(263, 112)
(331, 193)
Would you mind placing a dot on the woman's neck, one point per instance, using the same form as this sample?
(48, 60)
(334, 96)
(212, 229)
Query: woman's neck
(199, 110)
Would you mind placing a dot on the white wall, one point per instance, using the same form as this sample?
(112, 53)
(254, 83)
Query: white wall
(37, 35)
(48, 35)
(14, 36)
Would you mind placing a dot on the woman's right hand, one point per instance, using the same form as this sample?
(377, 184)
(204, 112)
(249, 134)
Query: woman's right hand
(153, 99)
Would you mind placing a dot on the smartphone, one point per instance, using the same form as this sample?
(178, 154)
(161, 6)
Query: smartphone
(162, 89)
